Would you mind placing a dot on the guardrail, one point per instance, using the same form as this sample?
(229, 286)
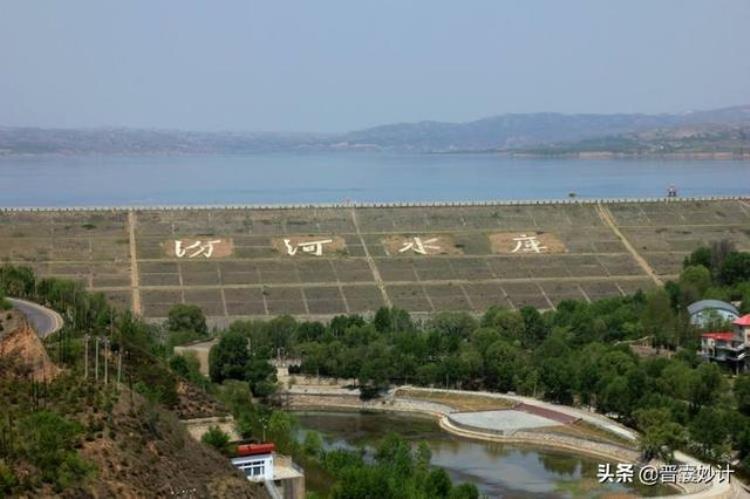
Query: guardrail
(376, 204)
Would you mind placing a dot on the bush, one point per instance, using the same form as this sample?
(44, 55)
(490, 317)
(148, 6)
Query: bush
(216, 439)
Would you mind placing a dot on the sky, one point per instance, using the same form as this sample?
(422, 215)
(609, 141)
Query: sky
(338, 65)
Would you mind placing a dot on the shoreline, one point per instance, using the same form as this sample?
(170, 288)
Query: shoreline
(376, 204)
(333, 400)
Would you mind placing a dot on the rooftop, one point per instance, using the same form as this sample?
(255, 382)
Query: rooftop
(743, 321)
(702, 305)
(722, 336)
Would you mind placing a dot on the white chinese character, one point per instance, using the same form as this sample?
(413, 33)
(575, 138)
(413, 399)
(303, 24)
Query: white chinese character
(206, 249)
(704, 474)
(686, 473)
(604, 473)
(528, 244)
(723, 474)
(420, 246)
(312, 247)
(624, 473)
(668, 473)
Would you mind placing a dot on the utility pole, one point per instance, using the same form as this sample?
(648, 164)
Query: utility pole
(119, 364)
(96, 360)
(86, 357)
(106, 360)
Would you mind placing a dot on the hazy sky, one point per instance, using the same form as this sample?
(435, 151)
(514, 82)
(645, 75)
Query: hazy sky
(325, 65)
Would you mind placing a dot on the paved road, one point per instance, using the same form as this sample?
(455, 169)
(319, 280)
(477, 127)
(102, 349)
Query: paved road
(44, 320)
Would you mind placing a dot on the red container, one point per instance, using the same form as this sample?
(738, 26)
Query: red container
(254, 449)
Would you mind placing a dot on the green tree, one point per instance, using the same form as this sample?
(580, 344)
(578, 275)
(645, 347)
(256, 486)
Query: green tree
(228, 358)
(706, 385)
(710, 431)
(187, 318)
(464, 491)
(438, 483)
(217, 439)
(281, 427)
(660, 435)
(695, 277)
(382, 320)
(262, 377)
(700, 256)
(735, 268)
(742, 393)
(313, 444)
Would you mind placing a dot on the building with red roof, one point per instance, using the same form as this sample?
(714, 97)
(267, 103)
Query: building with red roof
(728, 347)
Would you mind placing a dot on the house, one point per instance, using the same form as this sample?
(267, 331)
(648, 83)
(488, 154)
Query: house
(705, 312)
(281, 477)
(729, 347)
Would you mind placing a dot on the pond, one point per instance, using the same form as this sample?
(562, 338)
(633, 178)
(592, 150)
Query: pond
(498, 470)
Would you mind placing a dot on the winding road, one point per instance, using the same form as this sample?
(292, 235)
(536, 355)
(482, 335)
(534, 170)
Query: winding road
(42, 319)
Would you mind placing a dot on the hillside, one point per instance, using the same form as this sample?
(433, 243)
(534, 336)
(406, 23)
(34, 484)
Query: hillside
(63, 436)
(718, 130)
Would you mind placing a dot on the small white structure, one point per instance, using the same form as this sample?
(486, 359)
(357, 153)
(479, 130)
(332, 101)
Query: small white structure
(282, 478)
(256, 461)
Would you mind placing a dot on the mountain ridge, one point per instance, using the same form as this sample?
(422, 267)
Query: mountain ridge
(511, 132)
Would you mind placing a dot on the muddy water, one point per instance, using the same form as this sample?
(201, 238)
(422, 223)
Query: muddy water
(498, 470)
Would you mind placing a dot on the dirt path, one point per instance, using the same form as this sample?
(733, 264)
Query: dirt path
(134, 285)
(606, 217)
(373, 267)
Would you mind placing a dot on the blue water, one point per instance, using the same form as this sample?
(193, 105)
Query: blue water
(362, 177)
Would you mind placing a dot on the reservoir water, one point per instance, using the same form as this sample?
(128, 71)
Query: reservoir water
(498, 470)
(364, 177)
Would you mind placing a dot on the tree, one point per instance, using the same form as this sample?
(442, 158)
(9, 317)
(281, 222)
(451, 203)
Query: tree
(709, 430)
(735, 268)
(695, 277)
(313, 445)
(17, 281)
(262, 377)
(658, 319)
(228, 358)
(187, 318)
(281, 426)
(382, 320)
(720, 250)
(438, 483)
(464, 491)
(700, 256)
(534, 328)
(706, 385)
(742, 393)
(217, 439)
(660, 435)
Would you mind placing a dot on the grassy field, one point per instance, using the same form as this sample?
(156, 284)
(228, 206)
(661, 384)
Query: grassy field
(470, 257)
(461, 402)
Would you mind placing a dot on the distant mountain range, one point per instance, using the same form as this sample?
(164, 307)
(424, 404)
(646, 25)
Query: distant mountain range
(721, 131)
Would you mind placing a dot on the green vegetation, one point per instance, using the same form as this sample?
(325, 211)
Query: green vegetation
(44, 424)
(578, 354)
(216, 439)
(398, 472)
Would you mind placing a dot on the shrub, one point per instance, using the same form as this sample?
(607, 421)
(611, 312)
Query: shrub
(217, 439)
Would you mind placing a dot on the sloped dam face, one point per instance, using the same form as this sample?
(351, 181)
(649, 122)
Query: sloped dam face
(320, 261)
(498, 470)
